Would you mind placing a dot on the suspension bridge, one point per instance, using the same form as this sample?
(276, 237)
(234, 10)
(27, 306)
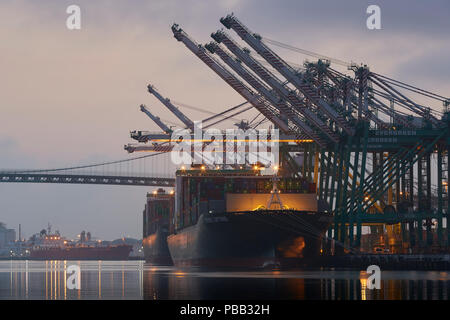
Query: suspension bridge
(149, 170)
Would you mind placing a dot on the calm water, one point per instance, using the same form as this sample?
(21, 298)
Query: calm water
(138, 280)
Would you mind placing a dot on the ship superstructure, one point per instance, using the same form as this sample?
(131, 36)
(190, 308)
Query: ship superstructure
(52, 246)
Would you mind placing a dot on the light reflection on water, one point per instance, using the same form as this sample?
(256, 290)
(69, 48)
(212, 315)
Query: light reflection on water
(48, 280)
(138, 280)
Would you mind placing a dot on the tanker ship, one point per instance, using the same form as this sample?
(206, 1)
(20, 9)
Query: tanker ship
(240, 218)
(52, 246)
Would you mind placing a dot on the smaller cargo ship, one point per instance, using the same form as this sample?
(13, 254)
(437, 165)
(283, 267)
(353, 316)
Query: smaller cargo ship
(52, 246)
(157, 215)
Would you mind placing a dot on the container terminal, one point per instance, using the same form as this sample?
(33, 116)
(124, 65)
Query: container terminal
(363, 174)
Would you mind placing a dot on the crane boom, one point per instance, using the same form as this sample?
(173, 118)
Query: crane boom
(411, 105)
(257, 101)
(274, 82)
(264, 91)
(166, 145)
(145, 136)
(130, 148)
(231, 22)
(398, 118)
(156, 119)
(165, 101)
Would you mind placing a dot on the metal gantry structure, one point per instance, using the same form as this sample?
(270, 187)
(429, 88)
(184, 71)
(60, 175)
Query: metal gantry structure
(378, 154)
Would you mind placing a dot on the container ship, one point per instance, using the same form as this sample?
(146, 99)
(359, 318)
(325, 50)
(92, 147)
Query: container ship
(52, 246)
(157, 215)
(238, 218)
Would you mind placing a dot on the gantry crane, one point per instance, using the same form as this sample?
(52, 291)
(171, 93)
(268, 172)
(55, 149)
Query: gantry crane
(366, 143)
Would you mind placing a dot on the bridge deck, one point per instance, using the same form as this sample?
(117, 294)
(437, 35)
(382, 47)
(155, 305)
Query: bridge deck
(86, 179)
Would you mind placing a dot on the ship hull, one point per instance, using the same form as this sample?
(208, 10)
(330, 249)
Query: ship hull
(121, 252)
(156, 250)
(250, 240)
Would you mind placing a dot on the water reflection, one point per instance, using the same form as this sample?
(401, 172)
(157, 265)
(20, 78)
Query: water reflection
(48, 280)
(137, 280)
(297, 285)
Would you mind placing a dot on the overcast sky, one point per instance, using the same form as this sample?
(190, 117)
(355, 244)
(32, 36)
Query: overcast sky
(70, 97)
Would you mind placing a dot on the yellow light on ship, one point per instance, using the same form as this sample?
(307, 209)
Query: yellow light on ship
(172, 191)
(217, 167)
(275, 168)
(366, 198)
(203, 168)
(183, 168)
(155, 192)
(255, 167)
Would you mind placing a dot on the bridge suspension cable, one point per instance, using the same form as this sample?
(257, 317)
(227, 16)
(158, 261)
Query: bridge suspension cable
(83, 166)
(132, 172)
